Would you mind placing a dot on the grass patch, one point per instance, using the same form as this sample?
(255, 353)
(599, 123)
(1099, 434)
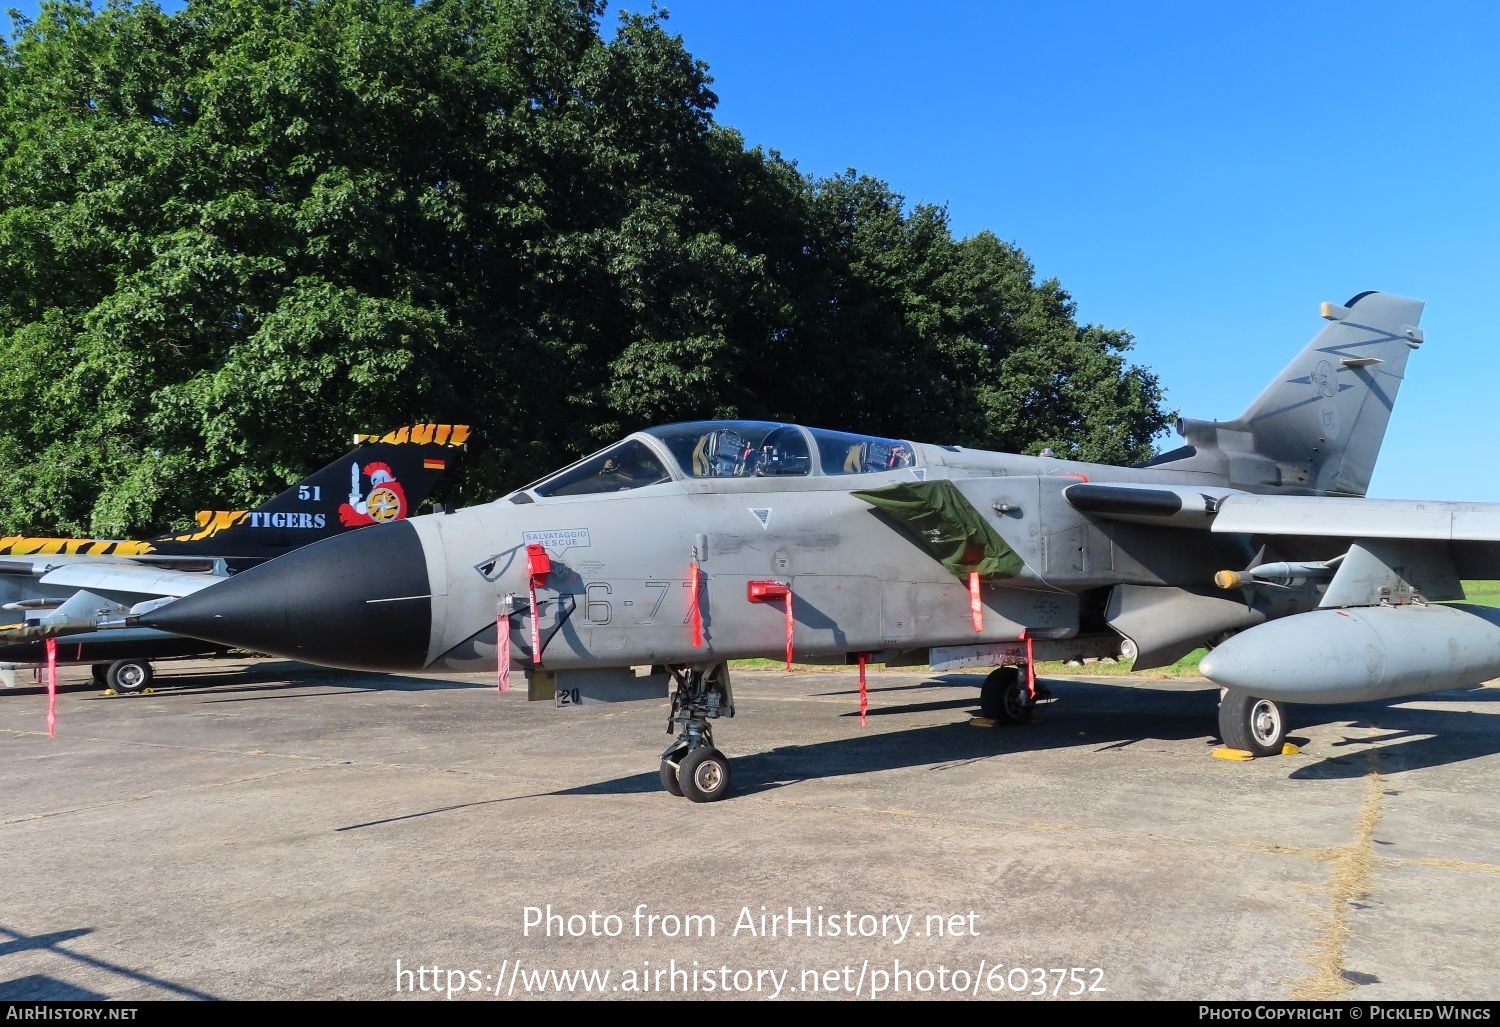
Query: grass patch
(1186, 667)
(781, 665)
(1482, 593)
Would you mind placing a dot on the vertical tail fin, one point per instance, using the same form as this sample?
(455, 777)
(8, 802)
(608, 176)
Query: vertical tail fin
(384, 478)
(1319, 425)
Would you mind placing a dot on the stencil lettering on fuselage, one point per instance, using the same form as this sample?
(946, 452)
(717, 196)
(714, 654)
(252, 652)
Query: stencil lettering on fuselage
(559, 540)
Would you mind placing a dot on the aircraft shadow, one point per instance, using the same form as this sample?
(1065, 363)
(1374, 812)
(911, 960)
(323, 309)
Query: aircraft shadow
(169, 680)
(1105, 717)
(47, 988)
(1412, 739)
(916, 707)
(293, 674)
(1415, 738)
(273, 677)
(387, 683)
(63, 688)
(1147, 715)
(949, 680)
(1159, 714)
(875, 689)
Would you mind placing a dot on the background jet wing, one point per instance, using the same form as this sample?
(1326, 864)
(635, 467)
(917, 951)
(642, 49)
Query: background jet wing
(118, 579)
(108, 590)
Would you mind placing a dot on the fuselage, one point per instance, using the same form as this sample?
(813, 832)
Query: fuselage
(629, 529)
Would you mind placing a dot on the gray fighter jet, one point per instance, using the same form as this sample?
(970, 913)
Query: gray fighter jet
(640, 570)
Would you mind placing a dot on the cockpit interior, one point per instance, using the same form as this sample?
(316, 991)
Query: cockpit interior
(725, 449)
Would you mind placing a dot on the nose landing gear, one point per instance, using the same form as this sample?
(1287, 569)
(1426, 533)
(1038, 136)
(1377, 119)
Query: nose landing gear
(691, 767)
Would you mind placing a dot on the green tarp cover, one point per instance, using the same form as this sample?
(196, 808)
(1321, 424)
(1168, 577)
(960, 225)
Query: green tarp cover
(948, 527)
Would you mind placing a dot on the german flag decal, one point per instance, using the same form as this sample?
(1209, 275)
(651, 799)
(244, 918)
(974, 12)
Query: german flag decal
(431, 464)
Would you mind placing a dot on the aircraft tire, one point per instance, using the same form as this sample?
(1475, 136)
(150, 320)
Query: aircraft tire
(1003, 697)
(669, 779)
(703, 775)
(1257, 726)
(129, 675)
(100, 672)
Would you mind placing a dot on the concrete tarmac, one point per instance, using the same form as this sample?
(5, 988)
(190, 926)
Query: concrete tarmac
(266, 830)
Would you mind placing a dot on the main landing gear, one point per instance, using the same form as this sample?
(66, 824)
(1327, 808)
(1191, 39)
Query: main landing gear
(1005, 699)
(1257, 726)
(691, 767)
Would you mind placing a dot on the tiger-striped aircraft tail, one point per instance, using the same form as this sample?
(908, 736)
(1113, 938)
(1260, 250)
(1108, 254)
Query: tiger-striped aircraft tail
(75, 590)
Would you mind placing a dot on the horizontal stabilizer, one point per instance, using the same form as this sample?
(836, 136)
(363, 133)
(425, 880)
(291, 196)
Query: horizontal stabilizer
(1319, 424)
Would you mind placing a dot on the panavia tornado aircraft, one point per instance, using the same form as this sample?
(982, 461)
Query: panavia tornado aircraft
(653, 562)
(68, 588)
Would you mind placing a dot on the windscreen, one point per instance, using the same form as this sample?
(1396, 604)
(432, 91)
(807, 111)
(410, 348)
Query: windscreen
(740, 449)
(629, 465)
(737, 449)
(843, 453)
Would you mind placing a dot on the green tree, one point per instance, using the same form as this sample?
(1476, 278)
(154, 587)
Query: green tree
(233, 235)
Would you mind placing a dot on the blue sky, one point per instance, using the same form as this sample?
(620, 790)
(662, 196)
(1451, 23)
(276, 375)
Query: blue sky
(1201, 174)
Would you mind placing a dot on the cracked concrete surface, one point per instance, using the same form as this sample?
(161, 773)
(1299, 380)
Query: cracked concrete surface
(262, 829)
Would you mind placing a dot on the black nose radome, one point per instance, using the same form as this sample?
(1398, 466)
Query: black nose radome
(359, 601)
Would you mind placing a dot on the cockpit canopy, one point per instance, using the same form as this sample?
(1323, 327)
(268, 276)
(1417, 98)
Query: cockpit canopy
(726, 449)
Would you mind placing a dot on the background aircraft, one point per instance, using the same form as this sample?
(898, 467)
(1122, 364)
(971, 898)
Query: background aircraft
(683, 547)
(64, 587)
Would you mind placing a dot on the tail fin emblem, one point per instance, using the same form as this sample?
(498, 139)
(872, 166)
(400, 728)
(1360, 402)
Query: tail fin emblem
(385, 501)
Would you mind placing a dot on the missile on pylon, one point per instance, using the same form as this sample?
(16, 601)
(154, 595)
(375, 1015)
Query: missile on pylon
(1360, 654)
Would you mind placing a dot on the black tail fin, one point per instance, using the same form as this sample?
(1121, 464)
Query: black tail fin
(384, 478)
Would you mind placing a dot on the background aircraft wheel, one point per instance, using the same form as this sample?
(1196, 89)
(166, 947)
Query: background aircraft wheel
(101, 674)
(669, 779)
(129, 675)
(703, 775)
(1256, 725)
(1003, 697)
